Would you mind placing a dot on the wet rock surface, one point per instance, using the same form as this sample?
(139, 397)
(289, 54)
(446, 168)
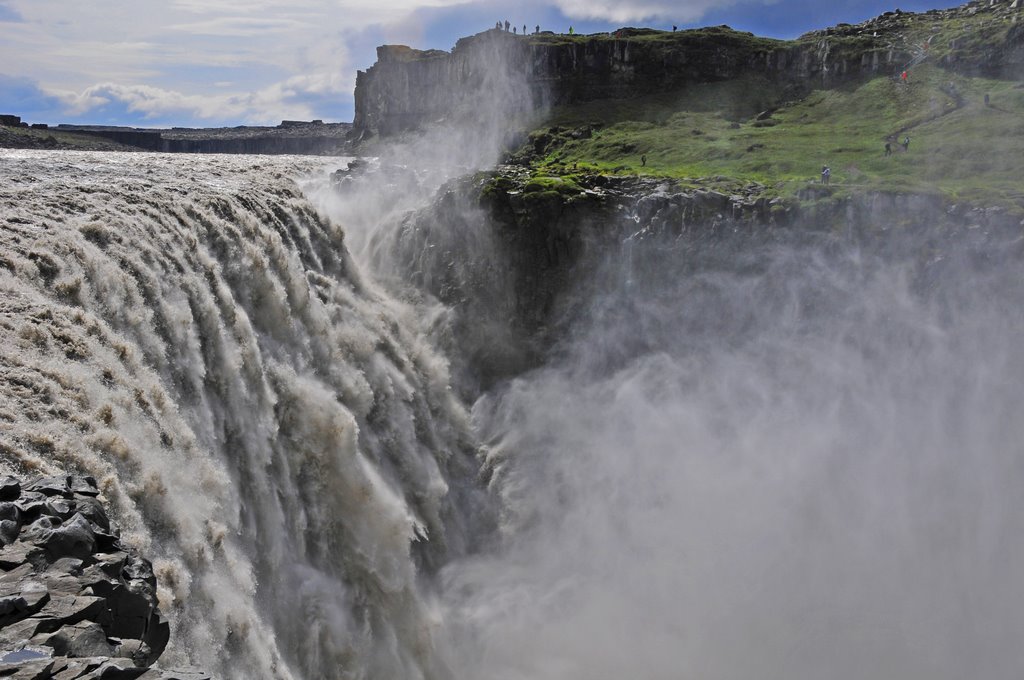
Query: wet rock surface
(74, 601)
(508, 252)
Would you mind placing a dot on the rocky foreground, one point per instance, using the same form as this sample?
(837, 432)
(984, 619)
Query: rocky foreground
(74, 601)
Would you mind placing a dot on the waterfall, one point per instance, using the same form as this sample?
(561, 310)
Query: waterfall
(785, 453)
(265, 424)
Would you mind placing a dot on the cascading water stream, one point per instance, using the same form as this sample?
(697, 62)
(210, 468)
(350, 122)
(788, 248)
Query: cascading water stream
(266, 425)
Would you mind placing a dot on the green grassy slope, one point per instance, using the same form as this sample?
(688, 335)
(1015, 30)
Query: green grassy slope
(959, 146)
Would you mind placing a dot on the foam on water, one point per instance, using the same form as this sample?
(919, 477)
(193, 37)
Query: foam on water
(267, 426)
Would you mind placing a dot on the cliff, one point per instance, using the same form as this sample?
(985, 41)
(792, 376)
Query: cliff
(291, 137)
(408, 88)
(513, 255)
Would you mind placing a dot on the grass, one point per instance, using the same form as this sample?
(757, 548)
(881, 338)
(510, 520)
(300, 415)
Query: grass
(647, 37)
(959, 146)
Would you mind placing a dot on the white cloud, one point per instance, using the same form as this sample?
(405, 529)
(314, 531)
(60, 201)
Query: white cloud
(242, 26)
(158, 57)
(292, 97)
(267, 105)
(203, 59)
(626, 10)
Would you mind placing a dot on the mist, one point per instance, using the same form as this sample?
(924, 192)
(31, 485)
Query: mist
(404, 171)
(779, 457)
(792, 454)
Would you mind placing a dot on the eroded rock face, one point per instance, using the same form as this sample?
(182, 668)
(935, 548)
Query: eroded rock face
(407, 89)
(509, 253)
(74, 601)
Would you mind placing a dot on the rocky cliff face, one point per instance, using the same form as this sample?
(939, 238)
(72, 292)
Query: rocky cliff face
(311, 139)
(409, 88)
(514, 256)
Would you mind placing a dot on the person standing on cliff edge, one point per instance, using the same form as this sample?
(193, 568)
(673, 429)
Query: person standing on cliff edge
(507, 25)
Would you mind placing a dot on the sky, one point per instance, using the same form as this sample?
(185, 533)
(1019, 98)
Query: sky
(206, 63)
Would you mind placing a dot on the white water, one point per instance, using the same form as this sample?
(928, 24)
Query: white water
(266, 425)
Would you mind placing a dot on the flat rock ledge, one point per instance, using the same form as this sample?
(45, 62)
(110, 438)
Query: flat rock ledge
(74, 601)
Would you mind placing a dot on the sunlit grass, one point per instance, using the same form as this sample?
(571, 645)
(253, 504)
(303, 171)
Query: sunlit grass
(959, 146)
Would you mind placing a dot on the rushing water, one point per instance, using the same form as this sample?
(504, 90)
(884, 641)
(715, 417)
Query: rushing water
(268, 427)
(782, 456)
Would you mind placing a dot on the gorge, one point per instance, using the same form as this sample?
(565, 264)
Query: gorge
(486, 403)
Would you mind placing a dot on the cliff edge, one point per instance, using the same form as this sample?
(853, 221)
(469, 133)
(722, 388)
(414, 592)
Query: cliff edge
(409, 88)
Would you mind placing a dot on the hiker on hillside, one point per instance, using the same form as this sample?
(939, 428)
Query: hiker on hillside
(904, 76)
(986, 99)
(515, 29)
(643, 160)
(888, 148)
(537, 30)
(906, 143)
(826, 174)
(507, 25)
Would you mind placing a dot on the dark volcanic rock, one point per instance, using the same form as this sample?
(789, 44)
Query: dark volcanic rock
(74, 603)
(10, 489)
(508, 252)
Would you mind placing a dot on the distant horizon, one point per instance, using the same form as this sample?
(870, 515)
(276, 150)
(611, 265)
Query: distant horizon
(222, 63)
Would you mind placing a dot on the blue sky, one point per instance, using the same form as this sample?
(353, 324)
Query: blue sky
(156, 63)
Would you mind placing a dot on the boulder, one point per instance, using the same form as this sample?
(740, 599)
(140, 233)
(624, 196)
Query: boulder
(74, 538)
(85, 638)
(19, 553)
(20, 600)
(66, 610)
(10, 489)
(32, 505)
(50, 486)
(84, 486)
(27, 670)
(40, 530)
(10, 522)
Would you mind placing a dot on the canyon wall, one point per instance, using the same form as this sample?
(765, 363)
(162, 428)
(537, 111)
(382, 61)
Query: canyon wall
(408, 88)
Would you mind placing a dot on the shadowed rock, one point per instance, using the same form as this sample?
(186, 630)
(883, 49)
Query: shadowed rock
(74, 602)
